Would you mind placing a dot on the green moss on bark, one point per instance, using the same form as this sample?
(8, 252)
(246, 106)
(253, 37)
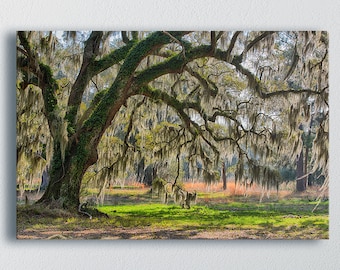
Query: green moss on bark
(82, 153)
(49, 87)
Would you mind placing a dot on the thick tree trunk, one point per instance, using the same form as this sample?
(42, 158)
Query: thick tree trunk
(56, 176)
(66, 176)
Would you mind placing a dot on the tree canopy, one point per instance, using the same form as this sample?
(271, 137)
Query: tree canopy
(101, 102)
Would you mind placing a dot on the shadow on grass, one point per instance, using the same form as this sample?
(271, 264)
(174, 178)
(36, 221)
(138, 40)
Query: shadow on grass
(143, 217)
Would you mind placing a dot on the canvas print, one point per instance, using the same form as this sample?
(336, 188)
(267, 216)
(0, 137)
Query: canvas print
(172, 135)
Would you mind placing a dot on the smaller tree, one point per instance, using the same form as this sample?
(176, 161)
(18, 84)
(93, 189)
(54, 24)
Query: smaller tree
(224, 176)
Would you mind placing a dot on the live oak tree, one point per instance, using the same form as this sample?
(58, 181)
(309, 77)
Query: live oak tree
(103, 101)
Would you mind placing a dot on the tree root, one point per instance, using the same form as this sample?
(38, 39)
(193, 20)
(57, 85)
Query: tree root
(90, 212)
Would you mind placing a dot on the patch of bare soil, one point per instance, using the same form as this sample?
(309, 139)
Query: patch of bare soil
(146, 233)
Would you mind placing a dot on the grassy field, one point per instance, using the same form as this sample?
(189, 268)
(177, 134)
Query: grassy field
(133, 213)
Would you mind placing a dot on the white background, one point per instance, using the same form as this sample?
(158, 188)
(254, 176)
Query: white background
(162, 15)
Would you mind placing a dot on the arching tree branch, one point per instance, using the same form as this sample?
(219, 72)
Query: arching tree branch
(255, 41)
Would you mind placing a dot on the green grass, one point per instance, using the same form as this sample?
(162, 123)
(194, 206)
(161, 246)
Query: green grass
(242, 215)
(291, 218)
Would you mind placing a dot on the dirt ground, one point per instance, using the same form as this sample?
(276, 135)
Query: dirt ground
(154, 233)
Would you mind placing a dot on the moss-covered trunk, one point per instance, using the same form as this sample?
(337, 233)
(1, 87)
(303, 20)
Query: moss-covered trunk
(66, 176)
(81, 152)
(55, 176)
